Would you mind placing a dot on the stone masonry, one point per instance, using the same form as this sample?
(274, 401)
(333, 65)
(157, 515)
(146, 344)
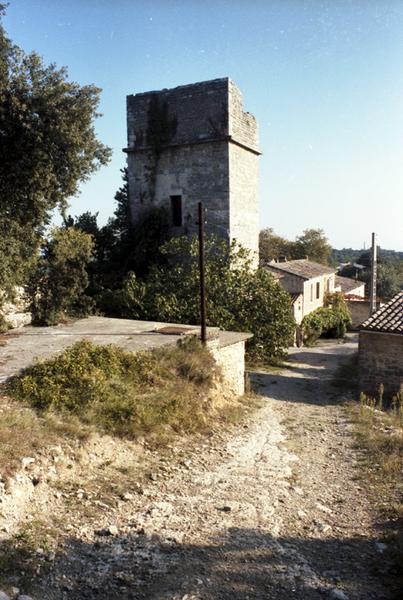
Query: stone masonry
(195, 143)
(380, 362)
(380, 352)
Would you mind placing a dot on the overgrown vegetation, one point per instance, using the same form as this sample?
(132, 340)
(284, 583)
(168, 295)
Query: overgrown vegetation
(332, 319)
(139, 273)
(48, 146)
(57, 286)
(379, 432)
(238, 297)
(378, 427)
(157, 392)
(120, 247)
(24, 432)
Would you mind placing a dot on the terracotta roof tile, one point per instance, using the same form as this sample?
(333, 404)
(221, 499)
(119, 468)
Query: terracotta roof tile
(389, 318)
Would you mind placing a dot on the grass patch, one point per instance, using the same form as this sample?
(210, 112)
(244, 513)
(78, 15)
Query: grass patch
(379, 435)
(23, 433)
(156, 392)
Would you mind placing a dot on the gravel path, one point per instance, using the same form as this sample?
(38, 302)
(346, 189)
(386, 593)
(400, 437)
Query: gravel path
(271, 509)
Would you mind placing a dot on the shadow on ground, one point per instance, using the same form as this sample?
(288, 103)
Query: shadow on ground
(310, 376)
(242, 564)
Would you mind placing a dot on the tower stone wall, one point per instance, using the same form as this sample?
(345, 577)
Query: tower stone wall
(195, 143)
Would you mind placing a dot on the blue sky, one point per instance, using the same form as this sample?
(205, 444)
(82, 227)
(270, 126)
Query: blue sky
(324, 78)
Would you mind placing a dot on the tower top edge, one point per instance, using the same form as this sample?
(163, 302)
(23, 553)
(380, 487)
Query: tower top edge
(221, 81)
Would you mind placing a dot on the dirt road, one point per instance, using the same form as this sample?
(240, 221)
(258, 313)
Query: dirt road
(272, 509)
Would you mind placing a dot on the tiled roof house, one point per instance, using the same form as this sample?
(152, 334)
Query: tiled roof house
(350, 287)
(306, 281)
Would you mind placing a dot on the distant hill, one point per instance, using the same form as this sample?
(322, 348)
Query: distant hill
(351, 255)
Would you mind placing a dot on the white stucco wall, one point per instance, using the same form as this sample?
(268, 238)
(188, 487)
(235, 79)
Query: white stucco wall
(312, 300)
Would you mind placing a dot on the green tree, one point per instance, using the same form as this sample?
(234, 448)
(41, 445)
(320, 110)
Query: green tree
(389, 280)
(120, 246)
(47, 147)
(238, 297)
(57, 286)
(313, 244)
(137, 246)
(274, 247)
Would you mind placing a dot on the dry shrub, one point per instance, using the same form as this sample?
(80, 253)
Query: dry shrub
(123, 393)
(380, 434)
(23, 432)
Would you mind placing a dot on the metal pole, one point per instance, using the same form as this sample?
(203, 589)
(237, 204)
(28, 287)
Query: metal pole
(372, 298)
(203, 330)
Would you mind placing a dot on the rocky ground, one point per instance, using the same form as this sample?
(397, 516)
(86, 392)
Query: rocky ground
(271, 508)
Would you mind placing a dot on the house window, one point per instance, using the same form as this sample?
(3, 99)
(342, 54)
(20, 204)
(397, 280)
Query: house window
(311, 292)
(176, 210)
(318, 290)
(328, 285)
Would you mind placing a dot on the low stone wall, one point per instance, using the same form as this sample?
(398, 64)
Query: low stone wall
(359, 310)
(16, 313)
(231, 359)
(380, 360)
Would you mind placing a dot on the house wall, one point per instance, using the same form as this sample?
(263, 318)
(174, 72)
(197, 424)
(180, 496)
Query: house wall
(358, 291)
(359, 310)
(290, 283)
(297, 310)
(295, 285)
(380, 360)
(311, 301)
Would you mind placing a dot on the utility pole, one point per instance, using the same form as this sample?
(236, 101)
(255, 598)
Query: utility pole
(203, 329)
(372, 296)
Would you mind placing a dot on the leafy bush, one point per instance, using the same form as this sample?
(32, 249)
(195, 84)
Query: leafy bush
(57, 287)
(332, 319)
(239, 298)
(122, 392)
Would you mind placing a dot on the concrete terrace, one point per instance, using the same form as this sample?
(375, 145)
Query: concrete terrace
(20, 349)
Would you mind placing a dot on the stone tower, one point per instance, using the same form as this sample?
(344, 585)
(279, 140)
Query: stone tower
(194, 143)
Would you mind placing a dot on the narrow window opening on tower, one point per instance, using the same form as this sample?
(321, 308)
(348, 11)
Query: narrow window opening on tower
(176, 210)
